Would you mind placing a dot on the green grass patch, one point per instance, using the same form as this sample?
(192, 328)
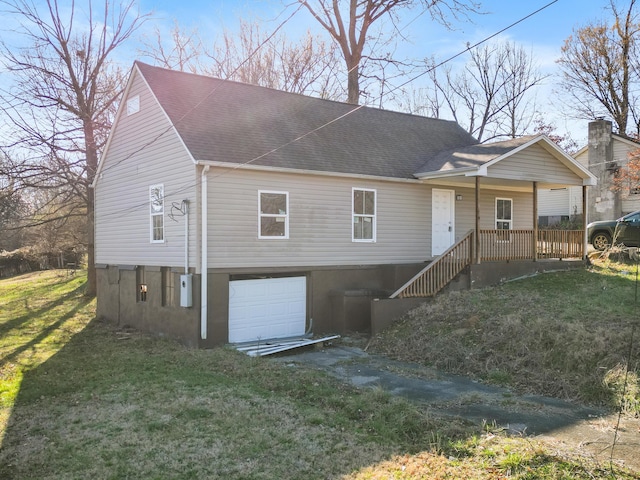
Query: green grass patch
(86, 399)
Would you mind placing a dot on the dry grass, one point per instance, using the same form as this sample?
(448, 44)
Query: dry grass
(83, 399)
(559, 334)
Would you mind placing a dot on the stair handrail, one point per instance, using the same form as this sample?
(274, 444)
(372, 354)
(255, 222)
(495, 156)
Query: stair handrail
(446, 255)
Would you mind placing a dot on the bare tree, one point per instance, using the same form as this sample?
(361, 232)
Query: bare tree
(492, 95)
(182, 51)
(597, 63)
(12, 209)
(564, 141)
(349, 23)
(253, 56)
(62, 98)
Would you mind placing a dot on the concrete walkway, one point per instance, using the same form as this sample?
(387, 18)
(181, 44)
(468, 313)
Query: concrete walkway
(584, 429)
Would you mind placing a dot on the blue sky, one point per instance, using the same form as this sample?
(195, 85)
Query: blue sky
(546, 30)
(542, 34)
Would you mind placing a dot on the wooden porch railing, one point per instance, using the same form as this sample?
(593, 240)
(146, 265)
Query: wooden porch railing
(561, 244)
(506, 245)
(495, 245)
(435, 276)
(502, 245)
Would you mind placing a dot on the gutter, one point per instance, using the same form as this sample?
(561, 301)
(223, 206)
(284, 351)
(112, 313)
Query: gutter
(204, 267)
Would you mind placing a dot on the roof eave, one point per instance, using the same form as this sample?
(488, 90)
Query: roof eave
(456, 172)
(299, 171)
(564, 158)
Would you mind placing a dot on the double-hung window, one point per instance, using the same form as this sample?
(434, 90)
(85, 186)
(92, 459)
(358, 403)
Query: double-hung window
(504, 217)
(156, 210)
(364, 215)
(273, 214)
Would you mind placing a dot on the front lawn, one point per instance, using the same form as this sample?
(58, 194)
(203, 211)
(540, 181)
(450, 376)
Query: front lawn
(82, 399)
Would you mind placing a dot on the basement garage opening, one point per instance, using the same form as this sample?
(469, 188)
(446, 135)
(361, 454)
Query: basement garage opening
(267, 308)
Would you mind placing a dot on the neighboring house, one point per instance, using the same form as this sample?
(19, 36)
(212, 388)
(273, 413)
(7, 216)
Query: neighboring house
(603, 154)
(288, 203)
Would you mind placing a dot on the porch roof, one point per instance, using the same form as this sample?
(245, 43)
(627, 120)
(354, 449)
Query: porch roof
(461, 165)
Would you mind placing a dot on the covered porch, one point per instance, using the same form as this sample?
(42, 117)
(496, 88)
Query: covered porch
(514, 167)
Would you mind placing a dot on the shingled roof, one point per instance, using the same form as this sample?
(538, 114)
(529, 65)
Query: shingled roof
(472, 156)
(225, 121)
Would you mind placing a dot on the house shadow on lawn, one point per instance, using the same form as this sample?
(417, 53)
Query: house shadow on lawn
(114, 403)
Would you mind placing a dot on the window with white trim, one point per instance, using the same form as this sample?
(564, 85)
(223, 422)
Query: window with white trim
(156, 211)
(504, 214)
(273, 214)
(133, 105)
(364, 215)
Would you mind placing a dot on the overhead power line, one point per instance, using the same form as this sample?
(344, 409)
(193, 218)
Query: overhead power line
(330, 122)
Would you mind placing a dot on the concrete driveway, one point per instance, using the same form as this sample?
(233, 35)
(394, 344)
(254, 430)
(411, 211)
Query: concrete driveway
(587, 430)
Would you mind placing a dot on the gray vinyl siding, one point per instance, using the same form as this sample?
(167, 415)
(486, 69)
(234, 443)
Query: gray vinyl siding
(465, 209)
(621, 150)
(553, 202)
(534, 163)
(319, 221)
(143, 151)
(583, 158)
(563, 201)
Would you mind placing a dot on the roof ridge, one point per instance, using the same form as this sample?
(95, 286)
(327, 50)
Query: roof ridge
(284, 92)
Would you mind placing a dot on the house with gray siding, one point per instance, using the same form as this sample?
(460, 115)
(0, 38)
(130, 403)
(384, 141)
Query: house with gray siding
(229, 213)
(604, 153)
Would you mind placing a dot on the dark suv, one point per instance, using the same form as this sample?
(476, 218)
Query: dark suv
(625, 231)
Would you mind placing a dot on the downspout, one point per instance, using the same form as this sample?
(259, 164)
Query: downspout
(534, 240)
(186, 236)
(477, 239)
(204, 268)
(585, 240)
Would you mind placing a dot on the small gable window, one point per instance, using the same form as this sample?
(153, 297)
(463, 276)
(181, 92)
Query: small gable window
(364, 215)
(133, 105)
(273, 214)
(156, 209)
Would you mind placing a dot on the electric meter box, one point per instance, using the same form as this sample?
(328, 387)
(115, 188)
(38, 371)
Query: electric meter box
(186, 290)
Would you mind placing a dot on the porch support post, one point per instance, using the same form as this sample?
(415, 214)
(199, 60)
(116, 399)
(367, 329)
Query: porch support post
(534, 241)
(477, 236)
(584, 223)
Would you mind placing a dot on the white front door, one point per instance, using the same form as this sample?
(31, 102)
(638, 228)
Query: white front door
(443, 233)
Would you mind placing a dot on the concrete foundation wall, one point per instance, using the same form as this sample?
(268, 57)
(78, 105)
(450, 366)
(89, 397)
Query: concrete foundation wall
(338, 299)
(494, 273)
(341, 298)
(386, 311)
(118, 302)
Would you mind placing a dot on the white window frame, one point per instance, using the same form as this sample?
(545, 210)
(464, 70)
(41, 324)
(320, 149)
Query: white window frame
(503, 234)
(355, 215)
(133, 105)
(283, 216)
(156, 209)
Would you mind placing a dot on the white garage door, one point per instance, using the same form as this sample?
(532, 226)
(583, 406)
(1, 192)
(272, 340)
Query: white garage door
(267, 308)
